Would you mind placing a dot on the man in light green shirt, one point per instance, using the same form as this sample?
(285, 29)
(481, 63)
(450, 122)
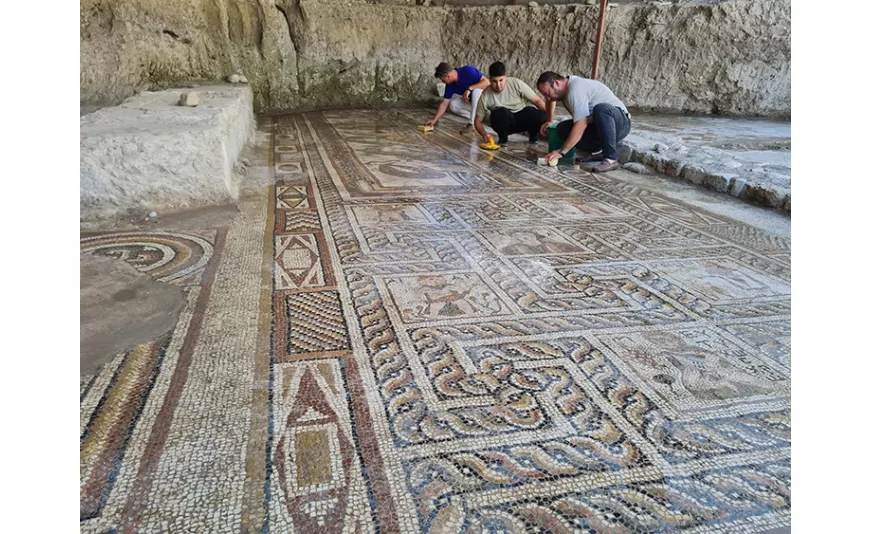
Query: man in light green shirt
(510, 105)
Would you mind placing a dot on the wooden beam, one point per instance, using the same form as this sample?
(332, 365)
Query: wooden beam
(599, 39)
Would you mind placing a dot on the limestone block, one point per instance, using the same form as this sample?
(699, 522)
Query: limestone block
(149, 154)
(694, 174)
(737, 187)
(624, 152)
(190, 99)
(766, 195)
(635, 167)
(673, 167)
(654, 160)
(719, 181)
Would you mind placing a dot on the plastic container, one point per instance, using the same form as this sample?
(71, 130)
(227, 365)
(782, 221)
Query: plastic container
(554, 143)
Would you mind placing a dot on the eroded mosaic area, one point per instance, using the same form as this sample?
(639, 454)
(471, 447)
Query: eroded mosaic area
(436, 339)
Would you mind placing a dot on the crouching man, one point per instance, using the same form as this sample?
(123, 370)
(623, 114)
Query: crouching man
(464, 86)
(598, 121)
(511, 105)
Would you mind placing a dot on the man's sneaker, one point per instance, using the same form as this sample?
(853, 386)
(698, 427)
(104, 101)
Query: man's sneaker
(533, 139)
(605, 165)
(467, 129)
(595, 156)
(503, 142)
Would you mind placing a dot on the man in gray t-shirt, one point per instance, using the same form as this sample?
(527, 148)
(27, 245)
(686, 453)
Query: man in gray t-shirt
(598, 121)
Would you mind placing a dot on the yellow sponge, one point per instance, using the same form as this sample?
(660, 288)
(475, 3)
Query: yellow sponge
(489, 145)
(424, 128)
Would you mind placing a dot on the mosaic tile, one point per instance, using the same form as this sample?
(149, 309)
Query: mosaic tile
(296, 221)
(292, 196)
(123, 391)
(315, 463)
(297, 262)
(315, 323)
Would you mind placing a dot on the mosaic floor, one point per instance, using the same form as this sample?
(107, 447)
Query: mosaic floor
(401, 333)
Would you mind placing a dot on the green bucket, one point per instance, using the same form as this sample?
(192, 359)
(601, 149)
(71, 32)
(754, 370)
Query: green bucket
(554, 143)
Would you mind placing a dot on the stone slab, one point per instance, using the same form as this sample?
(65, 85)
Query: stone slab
(150, 154)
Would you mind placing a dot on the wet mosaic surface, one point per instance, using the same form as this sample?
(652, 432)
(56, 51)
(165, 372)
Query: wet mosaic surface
(401, 333)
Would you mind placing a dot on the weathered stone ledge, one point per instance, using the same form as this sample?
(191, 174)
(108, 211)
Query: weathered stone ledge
(149, 153)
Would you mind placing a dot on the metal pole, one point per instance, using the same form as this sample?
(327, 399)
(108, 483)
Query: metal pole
(599, 39)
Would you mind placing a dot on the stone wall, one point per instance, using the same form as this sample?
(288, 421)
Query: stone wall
(729, 57)
(732, 57)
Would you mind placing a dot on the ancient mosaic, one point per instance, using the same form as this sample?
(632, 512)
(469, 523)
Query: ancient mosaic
(447, 340)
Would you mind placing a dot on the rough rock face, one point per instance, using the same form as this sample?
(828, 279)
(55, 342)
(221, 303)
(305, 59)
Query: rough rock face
(295, 53)
(730, 57)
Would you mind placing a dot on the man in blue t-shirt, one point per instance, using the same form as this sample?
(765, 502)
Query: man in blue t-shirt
(464, 86)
